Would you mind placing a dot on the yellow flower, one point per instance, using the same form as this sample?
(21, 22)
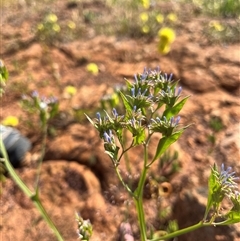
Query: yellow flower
(164, 49)
(216, 25)
(146, 3)
(10, 121)
(71, 25)
(160, 18)
(56, 27)
(40, 26)
(172, 17)
(92, 68)
(69, 91)
(115, 99)
(144, 17)
(166, 38)
(145, 29)
(52, 18)
(167, 35)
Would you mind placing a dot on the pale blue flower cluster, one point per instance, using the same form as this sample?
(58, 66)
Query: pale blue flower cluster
(226, 179)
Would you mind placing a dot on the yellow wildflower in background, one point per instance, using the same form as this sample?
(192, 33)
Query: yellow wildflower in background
(172, 17)
(69, 91)
(56, 27)
(10, 121)
(40, 26)
(145, 29)
(166, 38)
(52, 18)
(144, 17)
(71, 25)
(146, 4)
(92, 68)
(216, 25)
(160, 18)
(115, 99)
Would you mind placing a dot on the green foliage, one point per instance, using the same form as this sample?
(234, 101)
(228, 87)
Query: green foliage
(224, 8)
(216, 124)
(222, 31)
(141, 101)
(222, 185)
(165, 142)
(84, 228)
(3, 77)
(138, 18)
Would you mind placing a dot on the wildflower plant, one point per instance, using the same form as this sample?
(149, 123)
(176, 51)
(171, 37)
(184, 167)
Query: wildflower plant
(47, 108)
(84, 228)
(151, 104)
(222, 184)
(48, 30)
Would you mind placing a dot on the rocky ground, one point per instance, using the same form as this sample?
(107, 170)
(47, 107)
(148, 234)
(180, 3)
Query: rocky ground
(76, 175)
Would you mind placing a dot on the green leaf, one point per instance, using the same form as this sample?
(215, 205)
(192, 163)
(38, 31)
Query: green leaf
(110, 154)
(173, 111)
(211, 186)
(89, 119)
(215, 193)
(113, 154)
(54, 110)
(139, 138)
(165, 142)
(3, 73)
(126, 102)
(233, 217)
(109, 117)
(119, 133)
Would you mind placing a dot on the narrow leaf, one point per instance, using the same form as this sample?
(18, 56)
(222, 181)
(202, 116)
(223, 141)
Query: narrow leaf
(126, 102)
(211, 186)
(173, 111)
(233, 217)
(139, 138)
(89, 119)
(165, 142)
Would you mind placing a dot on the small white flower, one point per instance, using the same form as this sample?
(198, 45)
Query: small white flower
(43, 105)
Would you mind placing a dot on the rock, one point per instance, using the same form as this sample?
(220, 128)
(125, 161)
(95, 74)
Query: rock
(81, 143)
(229, 148)
(33, 52)
(226, 75)
(198, 79)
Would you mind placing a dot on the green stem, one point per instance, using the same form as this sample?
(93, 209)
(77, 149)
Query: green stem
(126, 157)
(141, 218)
(35, 199)
(182, 231)
(122, 181)
(139, 197)
(43, 150)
